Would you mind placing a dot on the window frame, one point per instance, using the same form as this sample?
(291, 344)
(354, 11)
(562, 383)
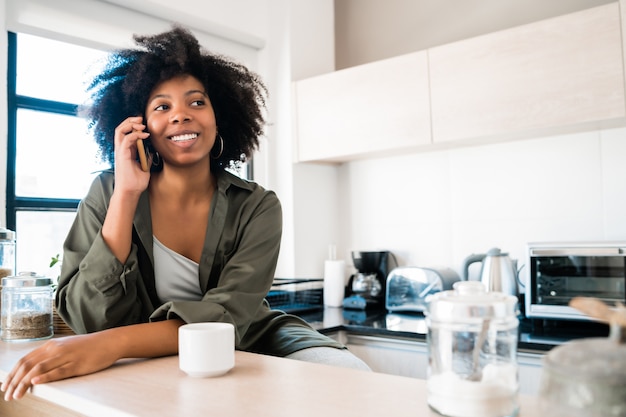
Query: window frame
(16, 203)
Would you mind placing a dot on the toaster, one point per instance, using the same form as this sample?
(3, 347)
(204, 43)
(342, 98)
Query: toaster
(408, 287)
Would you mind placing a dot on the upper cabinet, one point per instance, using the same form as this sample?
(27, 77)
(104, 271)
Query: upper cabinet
(564, 72)
(363, 110)
(554, 76)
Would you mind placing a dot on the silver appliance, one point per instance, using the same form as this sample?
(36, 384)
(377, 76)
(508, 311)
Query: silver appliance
(498, 271)
(408, 287)
(560, 271)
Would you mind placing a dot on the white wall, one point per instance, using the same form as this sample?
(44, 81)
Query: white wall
(368, 31)
(437, 208)
(315, 214)
(242, 20)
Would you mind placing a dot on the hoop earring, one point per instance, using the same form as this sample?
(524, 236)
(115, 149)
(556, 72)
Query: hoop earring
(221, 148)
(156, 159)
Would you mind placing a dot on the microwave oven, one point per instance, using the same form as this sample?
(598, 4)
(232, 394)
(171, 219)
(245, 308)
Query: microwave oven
(558, 272)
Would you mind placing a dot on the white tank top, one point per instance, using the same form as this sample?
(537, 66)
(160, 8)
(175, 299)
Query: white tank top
(176, 276)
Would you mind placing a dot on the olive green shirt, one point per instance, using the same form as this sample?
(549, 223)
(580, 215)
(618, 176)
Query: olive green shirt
(96, 291)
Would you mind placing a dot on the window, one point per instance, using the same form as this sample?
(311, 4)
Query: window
(51, 159)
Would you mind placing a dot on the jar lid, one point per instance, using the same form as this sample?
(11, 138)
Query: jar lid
(26, 279)
(6, 234)
(470, 300)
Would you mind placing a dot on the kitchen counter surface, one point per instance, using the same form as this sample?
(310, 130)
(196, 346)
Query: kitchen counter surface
(258, 386)
(538, 337)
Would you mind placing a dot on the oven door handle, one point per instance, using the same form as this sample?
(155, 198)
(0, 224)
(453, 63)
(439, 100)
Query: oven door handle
(579, 252)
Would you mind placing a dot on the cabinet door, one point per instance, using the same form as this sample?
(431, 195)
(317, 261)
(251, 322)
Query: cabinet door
(409, 358)
(366, 110)
(530, 369)
(391, 356)
(557, 74)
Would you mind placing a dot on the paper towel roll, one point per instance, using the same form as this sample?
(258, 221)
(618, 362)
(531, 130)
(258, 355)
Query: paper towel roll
(334, 282)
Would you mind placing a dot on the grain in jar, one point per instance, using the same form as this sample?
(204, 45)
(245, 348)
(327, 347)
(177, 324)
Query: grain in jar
(26, 307)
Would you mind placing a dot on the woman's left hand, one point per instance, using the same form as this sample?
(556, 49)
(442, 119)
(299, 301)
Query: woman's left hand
(57, 359)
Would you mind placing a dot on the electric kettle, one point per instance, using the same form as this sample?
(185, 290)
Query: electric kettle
(497, 273)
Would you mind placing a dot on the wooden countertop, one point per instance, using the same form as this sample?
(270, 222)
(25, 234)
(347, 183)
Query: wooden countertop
(259, 385)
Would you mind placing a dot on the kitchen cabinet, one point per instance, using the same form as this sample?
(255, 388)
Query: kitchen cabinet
(395, 356)
(560, 73)
(529, 372)
(364, 110)
(407, 357)
(556, 76)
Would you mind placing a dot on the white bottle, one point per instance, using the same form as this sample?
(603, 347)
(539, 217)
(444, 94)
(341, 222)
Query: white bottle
(334, 279)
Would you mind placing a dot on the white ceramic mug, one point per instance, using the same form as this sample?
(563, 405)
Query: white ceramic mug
(206, 349)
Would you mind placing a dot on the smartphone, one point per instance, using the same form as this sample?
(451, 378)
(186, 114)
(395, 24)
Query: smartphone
(144, 155)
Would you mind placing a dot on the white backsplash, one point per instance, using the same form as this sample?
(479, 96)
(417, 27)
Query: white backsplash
(436, 208)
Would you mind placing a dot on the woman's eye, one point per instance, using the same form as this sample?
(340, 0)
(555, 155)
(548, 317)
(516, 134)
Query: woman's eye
(161, 107)
(197, 103)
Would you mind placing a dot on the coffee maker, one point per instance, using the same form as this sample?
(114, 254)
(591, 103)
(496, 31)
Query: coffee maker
(366, 288)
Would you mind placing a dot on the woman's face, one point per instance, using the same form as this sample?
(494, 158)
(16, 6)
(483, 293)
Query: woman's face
(181, 121)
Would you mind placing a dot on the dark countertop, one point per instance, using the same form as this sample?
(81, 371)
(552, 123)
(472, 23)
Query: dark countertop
(538, 336)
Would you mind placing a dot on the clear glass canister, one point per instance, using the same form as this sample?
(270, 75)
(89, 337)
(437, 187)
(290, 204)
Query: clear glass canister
(26, 307)
(7, 255)
(472, 347)
(584, 378)
(7, 252)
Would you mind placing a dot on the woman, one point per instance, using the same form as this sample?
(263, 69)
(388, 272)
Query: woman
(184, 241)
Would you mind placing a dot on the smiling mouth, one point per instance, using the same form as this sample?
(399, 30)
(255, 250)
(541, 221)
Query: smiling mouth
(183, 138)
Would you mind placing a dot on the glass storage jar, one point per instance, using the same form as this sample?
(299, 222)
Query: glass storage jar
(584, 378)
(7, 255)
(7, 252)
(26, 307)
(472, 346)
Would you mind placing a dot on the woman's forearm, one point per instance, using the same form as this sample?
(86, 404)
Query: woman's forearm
(146, 340)
(65, 357)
